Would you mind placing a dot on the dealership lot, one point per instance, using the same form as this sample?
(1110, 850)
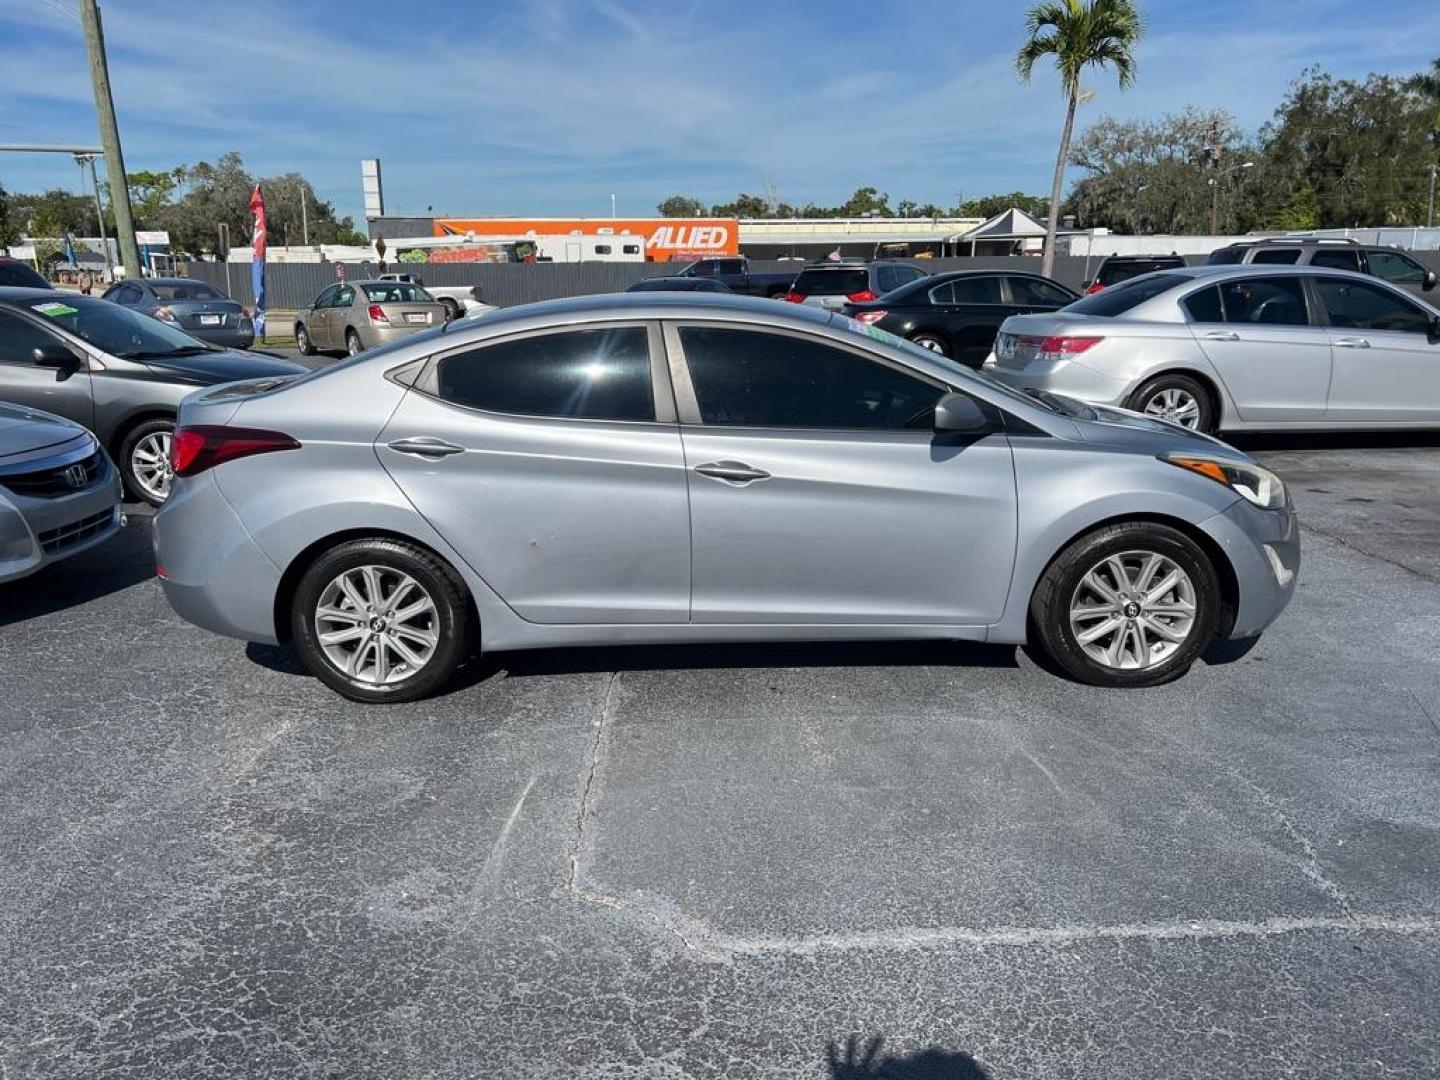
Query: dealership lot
(668, 862)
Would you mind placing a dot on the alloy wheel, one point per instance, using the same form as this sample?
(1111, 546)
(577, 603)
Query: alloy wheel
(1133, 610)
(377, 625)
(1176, 405)
(150, 465)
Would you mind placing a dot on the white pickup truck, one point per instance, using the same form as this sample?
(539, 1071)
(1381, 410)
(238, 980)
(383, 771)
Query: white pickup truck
(457, 300)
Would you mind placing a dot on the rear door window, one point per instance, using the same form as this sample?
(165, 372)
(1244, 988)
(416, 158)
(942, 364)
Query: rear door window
(755, 379)
(1356, 305)
(1033, 292)
(577, 374)
(1270, 301)
(831, 282)
(1337, 259)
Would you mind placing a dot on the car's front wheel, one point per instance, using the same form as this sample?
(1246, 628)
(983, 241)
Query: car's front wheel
(1132, 604)
(145, 461)
(381, 620)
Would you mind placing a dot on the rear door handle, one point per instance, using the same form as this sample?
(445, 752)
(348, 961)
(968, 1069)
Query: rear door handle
(1220, 335)
(425, 446)
(735, 471)
(1352, 342)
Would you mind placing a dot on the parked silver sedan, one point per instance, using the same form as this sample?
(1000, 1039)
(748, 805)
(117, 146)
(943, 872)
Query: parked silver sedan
(358, 315)
(1238, 348)
(670, 467)
(59, 493)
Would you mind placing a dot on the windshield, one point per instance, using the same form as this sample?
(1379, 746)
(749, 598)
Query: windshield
(392, 292)
(185, 290)
(957, 372)
(117, 330)
(1119, 299)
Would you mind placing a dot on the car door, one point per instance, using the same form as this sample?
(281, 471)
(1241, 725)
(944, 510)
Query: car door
(819, 493)
(973, 308)
(337, 316)
(551, 461)
(1271, 354)
(1035, 295)
(317, 318)
(1386, 354)
(65, 391)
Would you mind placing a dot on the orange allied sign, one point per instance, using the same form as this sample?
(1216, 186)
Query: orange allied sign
(666, 239)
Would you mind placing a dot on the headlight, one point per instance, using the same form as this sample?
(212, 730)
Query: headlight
(1252, 483)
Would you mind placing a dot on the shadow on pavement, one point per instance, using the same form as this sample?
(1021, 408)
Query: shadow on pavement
(1334, 440)
(932, 1063)
(122, 561)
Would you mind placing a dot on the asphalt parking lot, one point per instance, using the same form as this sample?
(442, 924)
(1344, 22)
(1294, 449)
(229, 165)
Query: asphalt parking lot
(737, 861)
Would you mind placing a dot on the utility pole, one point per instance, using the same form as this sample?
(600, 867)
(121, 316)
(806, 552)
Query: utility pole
(110, 137)
(305, 213)
(1430, 214)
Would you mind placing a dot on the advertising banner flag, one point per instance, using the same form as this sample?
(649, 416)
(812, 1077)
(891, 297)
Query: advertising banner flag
(257, 260)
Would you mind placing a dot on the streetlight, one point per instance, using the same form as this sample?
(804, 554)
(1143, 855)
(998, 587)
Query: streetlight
(612, 206)
(1215, 193)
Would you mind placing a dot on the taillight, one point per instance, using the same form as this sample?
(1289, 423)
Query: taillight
(861, 297)
(164, 314)
(795, 297)
(377, 314)
(1058, 347)
(203, 446)
(1094, 288)
(872, 316)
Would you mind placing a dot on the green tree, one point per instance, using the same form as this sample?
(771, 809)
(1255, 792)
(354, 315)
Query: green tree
(1078, 34)
(681, 206)
(867, 202)
(9, 227)
(150, 194)
(745, 206)
(54, 212)
(989, 205)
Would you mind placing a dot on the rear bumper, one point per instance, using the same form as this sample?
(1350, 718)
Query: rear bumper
(1068, 378)
(229, 337)
(211, 571)
(35, 532)
(1263, 547)
(372, 336)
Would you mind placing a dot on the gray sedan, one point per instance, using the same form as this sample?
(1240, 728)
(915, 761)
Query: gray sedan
(198, 308)
(1260, 348)
(667, 467)
(59, 494)
(357, 315)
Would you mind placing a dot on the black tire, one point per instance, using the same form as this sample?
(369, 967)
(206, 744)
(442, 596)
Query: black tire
(1208, 418)
(131, 469)
(451, 621)
(1050, 604)
(353, 343)
(452, 309)
(934, 342)
(302, 340)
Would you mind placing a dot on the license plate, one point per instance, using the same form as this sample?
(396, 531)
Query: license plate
(420, 318)
(211, 320)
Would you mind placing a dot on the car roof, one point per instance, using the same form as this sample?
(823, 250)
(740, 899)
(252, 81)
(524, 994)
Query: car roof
(18, 294)
(659, 304)
(171, 281)
(1170, 257)
(1260, 270)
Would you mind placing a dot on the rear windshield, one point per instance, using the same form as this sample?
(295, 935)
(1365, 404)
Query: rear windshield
(185, 290)
(396, 292)
(17, 273)
(1114, 272)
(1123, 297)
(823, 282)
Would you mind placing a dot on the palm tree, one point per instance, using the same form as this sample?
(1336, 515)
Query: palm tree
(1079, 34)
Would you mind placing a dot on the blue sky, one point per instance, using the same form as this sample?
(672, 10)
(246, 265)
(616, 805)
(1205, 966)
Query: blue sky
(547, 107)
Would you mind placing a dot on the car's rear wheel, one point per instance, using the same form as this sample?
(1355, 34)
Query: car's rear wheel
(145, 460)
(1132, 604)
(380, 620)
(452, 309)
(1179, 399)
(302, 340)
(352, 342)
(933, 342)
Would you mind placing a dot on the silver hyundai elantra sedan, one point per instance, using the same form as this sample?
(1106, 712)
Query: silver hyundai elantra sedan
(658, 467)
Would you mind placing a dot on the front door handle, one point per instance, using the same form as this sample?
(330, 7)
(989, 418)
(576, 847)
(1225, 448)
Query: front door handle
(426, 446)
(736, 472)
(1220, 335)
(1352, 343)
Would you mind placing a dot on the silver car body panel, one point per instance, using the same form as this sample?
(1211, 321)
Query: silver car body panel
(580, 532)
(1266, 377)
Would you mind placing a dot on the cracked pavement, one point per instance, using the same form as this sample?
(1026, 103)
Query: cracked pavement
(727, 861)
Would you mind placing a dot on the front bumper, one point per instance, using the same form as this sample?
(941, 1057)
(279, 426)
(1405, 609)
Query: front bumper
(35, 531)
(1069, 378)
(1263, 547)
(211, 571)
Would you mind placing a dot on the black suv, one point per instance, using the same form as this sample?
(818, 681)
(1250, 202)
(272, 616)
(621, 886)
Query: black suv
(1117, 268)
(831, 284)
(1387, 263)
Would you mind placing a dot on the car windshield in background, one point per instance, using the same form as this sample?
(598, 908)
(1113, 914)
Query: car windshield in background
(1121, 298)
(117, 330)
(185, 290)
(396, 292)
(826, 282)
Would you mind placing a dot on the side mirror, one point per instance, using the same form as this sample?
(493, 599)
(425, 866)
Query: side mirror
(960, 414)
(1429, 280)
(54, 356)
